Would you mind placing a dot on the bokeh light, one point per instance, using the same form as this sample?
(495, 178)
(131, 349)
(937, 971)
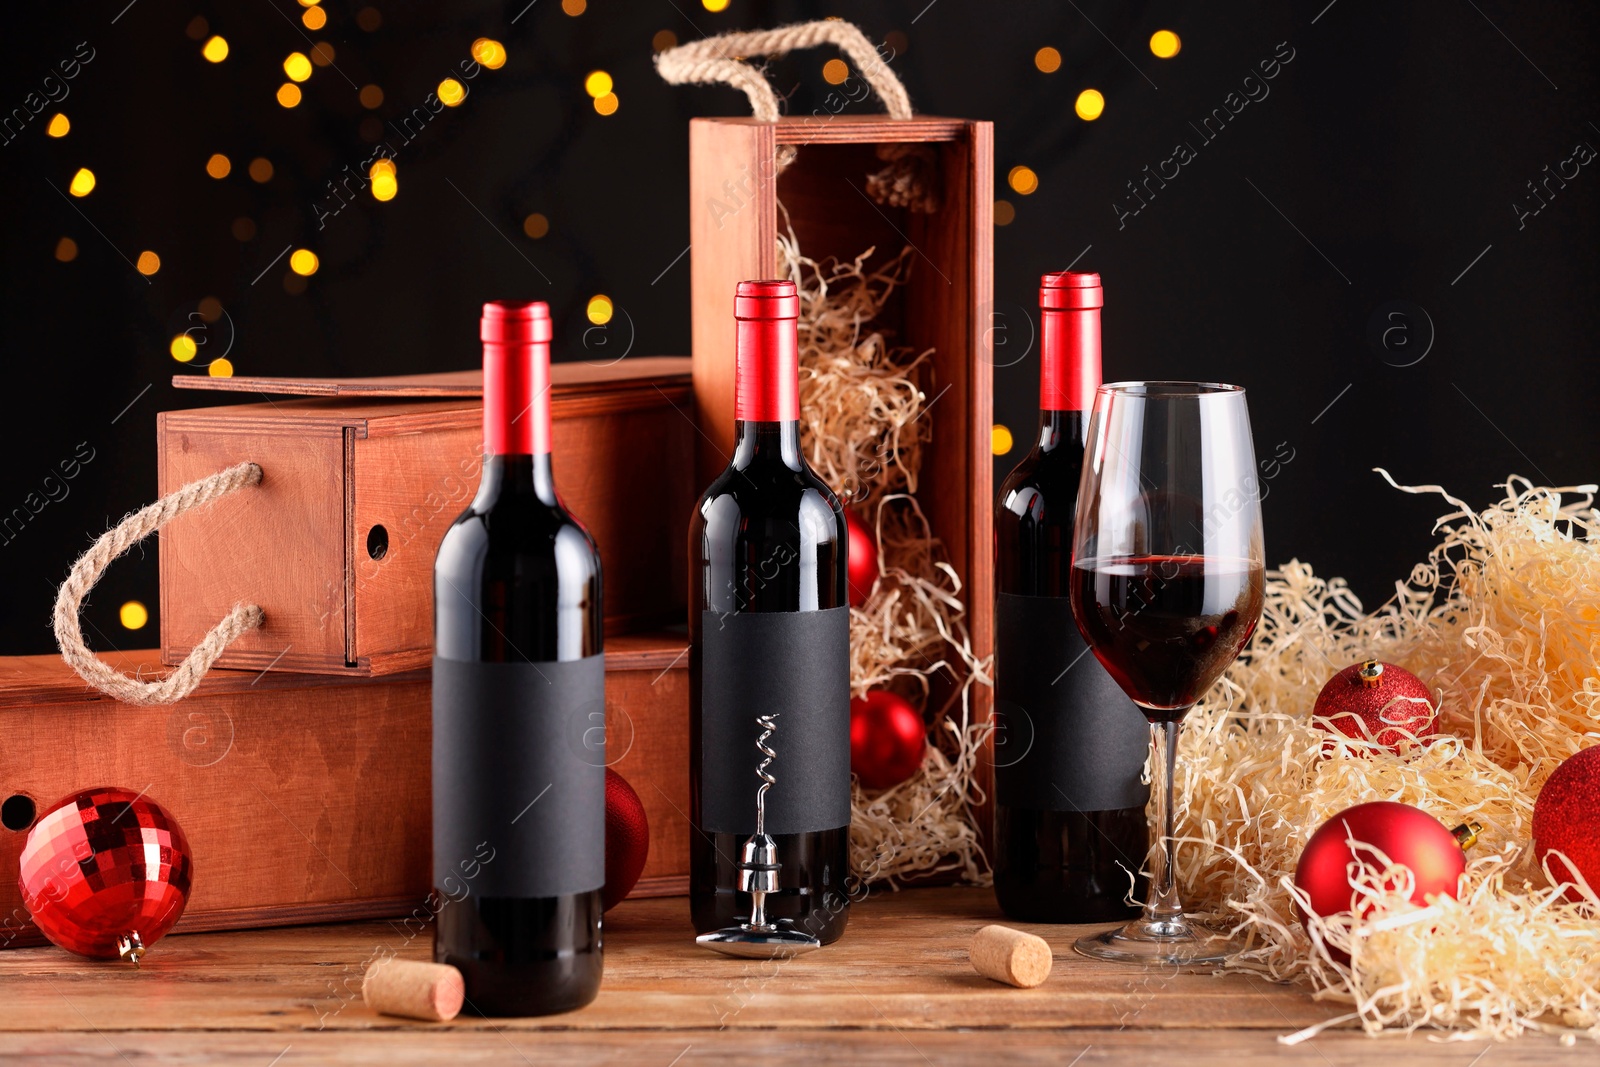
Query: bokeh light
(198, 27)
(1023, 180)
(574, 7)
(133, 615)
(536, 225)
(489, 52)
(663, 40)
(1047, 59)
(297, 65)
(1090, 105)
(219, 166)
(59, 125)
(216, 49)
(66, 250)
(220, 368)
(1000, 439)
(294, 284)
(385, 179)
(289, 94)
(322, 54)
(209, 309)
(371, 97)
(309, 3)
(148, 263)
(714, 5)
(835, 71)
(261, 170)
(82, 182)
(451, 92)
(183, 348)
(1164, 44)
(304, 262)
(314, 18)
(1004, 213)
(369, 19)
(600, 309)
(607, 104)
(597, 84)
(244, 229)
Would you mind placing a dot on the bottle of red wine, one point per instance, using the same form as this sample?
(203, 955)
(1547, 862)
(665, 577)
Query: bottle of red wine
(1069, 823)
(769, 630)
(518, 708)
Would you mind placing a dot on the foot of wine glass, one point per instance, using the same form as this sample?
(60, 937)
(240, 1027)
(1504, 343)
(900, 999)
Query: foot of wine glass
(1163, 934)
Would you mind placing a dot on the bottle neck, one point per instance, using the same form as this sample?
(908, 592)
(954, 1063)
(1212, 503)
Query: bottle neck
(759, 442)
(1063, 431)
(517, 475)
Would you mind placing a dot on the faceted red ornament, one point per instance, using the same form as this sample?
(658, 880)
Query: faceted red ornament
(887, 739)
(861, 559)
(1566, 819)
(1405, 835)
(106, 873)
(627, 839)
(1378, 702)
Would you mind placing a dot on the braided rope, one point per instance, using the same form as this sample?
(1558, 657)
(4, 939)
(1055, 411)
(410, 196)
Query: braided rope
(135, 527)
(711, 61)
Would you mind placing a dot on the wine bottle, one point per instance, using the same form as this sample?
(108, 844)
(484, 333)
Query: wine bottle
(518, 708)
(769, 630)
(1069, 818)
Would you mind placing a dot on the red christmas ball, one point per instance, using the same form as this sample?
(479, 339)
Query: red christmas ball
(106, 873)
(1404, 835)
(887, 739)
(1378, 702)
(861, 559)
(1566, 819)
(627, 839)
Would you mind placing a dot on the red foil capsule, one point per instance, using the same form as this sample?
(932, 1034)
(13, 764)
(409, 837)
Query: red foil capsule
(1069, 347)
(767, 352)
(516, 377)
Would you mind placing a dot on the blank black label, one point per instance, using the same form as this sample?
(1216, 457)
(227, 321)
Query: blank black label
(795, 664)
(1066, 736)
(519, 778)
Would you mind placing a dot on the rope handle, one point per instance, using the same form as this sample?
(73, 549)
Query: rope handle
(711, 61)
(135, 527)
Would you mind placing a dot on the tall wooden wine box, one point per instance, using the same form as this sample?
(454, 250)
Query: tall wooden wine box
(735, 189)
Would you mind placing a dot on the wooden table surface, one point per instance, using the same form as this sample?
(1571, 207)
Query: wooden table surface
(898, 989)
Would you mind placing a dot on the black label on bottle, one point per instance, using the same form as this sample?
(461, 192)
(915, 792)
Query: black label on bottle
(519, 778)
(794, 665)
(1066, 736)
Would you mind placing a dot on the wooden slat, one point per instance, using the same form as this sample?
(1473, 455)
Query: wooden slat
(564, 378)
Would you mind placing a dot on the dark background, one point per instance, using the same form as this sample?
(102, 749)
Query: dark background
(1387, 157)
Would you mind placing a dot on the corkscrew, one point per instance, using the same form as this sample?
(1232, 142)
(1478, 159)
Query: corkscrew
(760, 937)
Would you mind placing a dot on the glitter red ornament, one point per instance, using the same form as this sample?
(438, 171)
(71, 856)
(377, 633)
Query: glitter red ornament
(1379, 702)
(887, 739)
(627, 839)
(1403, 834)
(861, 559)
(106, 873)
(1566, 819)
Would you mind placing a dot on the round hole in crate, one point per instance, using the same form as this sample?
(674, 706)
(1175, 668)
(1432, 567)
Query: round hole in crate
(377, 542)
(17, 812)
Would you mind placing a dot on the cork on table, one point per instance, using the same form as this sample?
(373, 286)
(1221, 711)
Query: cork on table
(898, 989)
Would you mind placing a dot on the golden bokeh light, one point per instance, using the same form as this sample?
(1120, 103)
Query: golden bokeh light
(261, 170)
(451, 92)
(297, 65)
(309, 3)
(82, 182)
(536, 225)
(574, 7)
(219, 166)
(1164, 44)
(66, 250)
(1090, 105)
(322, 54)
(183, 348)
(1047, 59)
(1004, 213)
(385, 181)
(663, 40)
(220, 368)
(133, 615)
(215, 50)
(607, 104)
(289, 94)
(148, 263)
(489, 52)
(59, 125)
(371, 97)
(600, 309)
(1023, 180)
(597, 84)
(209, 309)
(714, 5)
(835, 71)
(1000, 439)
(304, 262)
(314, 18)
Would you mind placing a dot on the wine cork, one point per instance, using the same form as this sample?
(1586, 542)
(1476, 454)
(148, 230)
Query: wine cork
(413, 989)
(1010, 956)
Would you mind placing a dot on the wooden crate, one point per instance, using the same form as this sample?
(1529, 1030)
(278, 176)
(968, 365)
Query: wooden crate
(734, 191)
(306, 797)
(362, 477)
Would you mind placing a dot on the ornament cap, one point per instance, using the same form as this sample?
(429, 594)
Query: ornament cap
(130, 946)
(1466, 834)
(1371, 674)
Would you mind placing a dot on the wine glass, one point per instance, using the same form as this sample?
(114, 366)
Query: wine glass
(1167, 579)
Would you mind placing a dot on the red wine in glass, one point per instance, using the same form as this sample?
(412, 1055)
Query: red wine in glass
(1167, 626)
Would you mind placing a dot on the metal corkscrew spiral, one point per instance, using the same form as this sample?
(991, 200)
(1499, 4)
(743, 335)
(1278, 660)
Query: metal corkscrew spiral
(758, 875)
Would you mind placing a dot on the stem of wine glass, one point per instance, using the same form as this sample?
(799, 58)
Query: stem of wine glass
(1163, 909)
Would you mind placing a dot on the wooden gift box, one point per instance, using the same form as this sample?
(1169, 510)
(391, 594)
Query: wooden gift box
(362, 477)
(305, 797)
(735, 187)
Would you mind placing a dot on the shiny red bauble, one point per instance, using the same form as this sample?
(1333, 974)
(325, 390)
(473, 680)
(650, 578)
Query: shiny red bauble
(861, 559)
(106, 873)
(1405, 835)
(887, 739)
(1379, 702)
(627, 839)
(1566, 819)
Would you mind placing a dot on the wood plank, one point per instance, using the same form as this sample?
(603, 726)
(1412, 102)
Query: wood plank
(565, 377)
